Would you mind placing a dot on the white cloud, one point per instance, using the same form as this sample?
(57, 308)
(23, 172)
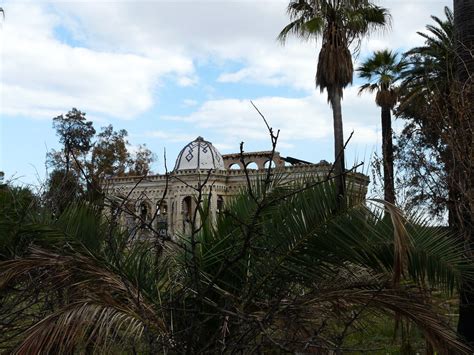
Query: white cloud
(174, 137)
(189, 102)
(112, 60)
(127, 47)
(41, 75)
(223, 147)
(298, 119)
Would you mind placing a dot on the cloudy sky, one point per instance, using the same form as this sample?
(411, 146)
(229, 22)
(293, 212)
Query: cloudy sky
(169, 71)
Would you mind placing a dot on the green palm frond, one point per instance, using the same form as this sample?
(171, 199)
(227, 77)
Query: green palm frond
(432, 66)
(338, 24)
(310, 236)
(382, 71)
(282, 258)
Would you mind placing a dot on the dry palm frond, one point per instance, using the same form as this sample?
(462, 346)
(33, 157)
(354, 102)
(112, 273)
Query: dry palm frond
(335, 67)
(80, 323)
(99, 304)
(386, 98)
(401, 240)
(343, 302)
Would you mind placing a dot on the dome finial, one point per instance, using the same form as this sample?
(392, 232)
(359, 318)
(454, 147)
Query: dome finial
(199, 138)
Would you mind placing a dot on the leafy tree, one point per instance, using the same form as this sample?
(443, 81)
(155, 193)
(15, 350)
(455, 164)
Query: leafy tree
(86, 159)
(109, 153)
(75, 134)
(427, 105)
(338, 23)
(261, 278)
(141, 162)
(381, 71)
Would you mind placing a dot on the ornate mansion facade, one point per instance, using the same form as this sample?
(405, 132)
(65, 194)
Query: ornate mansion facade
(167, 202)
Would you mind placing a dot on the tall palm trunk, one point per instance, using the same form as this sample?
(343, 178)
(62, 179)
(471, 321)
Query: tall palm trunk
(339, 165)
(387, 155)
(464, 28)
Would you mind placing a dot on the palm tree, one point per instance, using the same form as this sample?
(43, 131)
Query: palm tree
(381, 71)
(437, 103)
(463, 14)
(260, 278)
(338, 23)
(464, 29)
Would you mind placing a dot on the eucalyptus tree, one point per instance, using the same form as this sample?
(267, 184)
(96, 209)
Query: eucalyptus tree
(75, 134)
(339, 24)
(88, 157)
(382, 71)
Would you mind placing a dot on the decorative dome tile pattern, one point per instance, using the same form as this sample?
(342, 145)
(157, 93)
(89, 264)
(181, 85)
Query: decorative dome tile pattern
(199, 154)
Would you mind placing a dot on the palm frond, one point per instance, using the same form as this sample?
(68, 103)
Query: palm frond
(81, 323)
(282, 258)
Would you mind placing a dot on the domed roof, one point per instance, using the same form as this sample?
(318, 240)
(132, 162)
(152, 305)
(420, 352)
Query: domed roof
(199, 154)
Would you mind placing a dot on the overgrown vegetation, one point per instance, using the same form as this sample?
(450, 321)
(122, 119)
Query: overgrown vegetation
(300, 267)
(277, 272)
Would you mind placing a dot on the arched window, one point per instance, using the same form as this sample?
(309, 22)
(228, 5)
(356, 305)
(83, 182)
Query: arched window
(161, 209)
(143, 211)
(145, 214)
(161, 219)
(115, 211)
(220, 204)
(130, 218)
(187, 208)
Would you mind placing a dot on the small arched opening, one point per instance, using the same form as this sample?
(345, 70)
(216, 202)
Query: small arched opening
(270, 163)
(234, 166)
(251, 166)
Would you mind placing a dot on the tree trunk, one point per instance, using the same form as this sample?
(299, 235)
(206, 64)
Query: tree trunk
(387, 155)
(339, 165)
(464, 29)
